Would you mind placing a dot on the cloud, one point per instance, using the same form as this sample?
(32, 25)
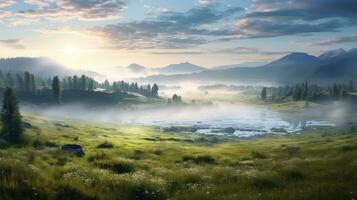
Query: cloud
(337, 40)
(6, 3)
(272, 18)
(169, 30)
(235, 51)
(12, 43)
(62, 10)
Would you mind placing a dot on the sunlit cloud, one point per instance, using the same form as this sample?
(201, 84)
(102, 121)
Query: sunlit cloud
(337, 40)
(12, 43)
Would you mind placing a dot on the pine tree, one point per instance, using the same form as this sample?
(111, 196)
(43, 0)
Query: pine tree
(33, 84)
(83, 83)
(10, 117)
(264, 93)
(56, 88)
(27, 81)
(91, 85)
(154, 90)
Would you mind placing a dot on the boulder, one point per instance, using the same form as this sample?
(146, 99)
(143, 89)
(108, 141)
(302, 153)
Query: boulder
(73, 149)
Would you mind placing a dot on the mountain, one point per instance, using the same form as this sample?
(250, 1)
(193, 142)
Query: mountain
(331, 54)
(41, 67)
(293, 68)
(181, 68)
(136, 68)
(246, 64)
(295, 59)
(338, 68)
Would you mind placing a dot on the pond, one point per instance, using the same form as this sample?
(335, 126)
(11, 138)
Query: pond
(241, 120)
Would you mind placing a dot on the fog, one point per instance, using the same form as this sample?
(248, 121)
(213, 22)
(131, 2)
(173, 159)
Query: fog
(212, 118)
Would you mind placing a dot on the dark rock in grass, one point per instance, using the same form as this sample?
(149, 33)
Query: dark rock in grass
(27, 125)
(73, 149)
(229, 130)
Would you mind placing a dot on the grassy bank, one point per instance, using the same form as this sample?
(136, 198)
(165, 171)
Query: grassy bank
(142, 163)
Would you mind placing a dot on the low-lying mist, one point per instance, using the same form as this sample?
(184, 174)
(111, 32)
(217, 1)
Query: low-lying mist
(209, 118)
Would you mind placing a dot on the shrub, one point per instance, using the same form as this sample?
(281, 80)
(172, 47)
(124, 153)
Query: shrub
(264, 182)
(97, 156)
(117, 166)
(293, 174)
(147, 192)
(158, 152)
(258, 155)
(71, 193)
(199, 159)
(291, 149)
(105, 145)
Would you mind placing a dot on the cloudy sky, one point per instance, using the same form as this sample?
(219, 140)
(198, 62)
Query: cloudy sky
(93, 34)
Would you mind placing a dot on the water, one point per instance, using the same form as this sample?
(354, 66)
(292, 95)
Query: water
(242, 119)
(219, 118)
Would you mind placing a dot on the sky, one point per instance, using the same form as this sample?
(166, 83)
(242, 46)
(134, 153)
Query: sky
(95, 34)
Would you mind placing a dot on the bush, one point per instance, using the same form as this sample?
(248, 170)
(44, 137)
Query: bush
(293, 174)
(70, 193)
(258, 155)
(117, 166)
(199, 159)
(97, 156)
(291, 149)
(264, 182)
(147, 192)
(105, 145)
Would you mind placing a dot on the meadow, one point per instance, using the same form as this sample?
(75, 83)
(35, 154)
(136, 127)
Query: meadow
(134, 162)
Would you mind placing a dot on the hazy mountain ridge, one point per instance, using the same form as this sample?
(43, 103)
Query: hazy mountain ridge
(42, 66)
(292, 68)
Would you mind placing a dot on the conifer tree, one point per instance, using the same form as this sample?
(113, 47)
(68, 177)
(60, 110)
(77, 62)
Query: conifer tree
(264, 93)
(10, 117)
(56, 88)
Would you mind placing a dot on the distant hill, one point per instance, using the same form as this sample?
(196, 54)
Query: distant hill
(292, 68)
(136, 68)
(331, 54)
(41, 67)
(247, 64)
(181, 68)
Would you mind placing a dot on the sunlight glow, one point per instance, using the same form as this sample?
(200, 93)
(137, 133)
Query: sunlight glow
(71, 51)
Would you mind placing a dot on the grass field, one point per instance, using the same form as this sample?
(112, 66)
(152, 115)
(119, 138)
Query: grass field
(142, 163)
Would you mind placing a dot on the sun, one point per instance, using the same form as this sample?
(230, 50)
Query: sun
(71, 51)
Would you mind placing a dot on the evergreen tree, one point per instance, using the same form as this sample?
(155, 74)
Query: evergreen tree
(56, 88)
(351, 86)
(33, 84)
(9, 80)
(155, 90)
(20, 82)
(27, 81)
(264, 93)
(11, 118)
(83, 83)
(91, 86)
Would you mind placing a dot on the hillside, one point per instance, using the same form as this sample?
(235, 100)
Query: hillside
(41, 66)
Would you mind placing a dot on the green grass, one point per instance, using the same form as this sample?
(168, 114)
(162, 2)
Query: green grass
(143, 163)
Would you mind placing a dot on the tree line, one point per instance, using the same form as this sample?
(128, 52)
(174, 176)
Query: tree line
(31, 84)
(308, 92)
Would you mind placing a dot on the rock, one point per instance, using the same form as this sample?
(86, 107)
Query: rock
(229, 130)
(73, 149)
(27, 125)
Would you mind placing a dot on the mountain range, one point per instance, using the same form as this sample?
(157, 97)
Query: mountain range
(337, 65)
